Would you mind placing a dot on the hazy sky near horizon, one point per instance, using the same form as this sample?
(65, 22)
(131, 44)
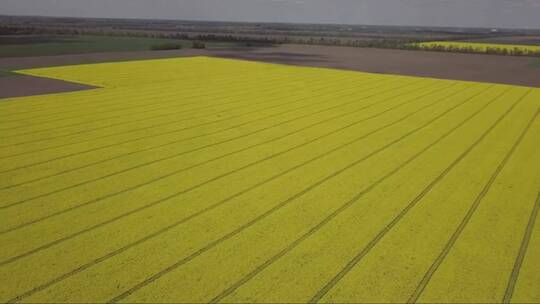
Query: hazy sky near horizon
(466, 13)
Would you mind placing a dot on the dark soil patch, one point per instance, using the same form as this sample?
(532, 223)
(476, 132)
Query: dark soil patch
(22, 85)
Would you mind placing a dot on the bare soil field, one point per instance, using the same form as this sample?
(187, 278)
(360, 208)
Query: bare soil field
(470, 67)
(15, 63)
(23, 85)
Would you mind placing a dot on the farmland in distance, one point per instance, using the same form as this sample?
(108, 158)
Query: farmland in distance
(479, 47)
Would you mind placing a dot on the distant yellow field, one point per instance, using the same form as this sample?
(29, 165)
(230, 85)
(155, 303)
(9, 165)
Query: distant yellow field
(481, 47)
(213, 180)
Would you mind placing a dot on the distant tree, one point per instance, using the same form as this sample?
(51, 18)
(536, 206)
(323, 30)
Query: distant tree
(166, 46)
(197, 44)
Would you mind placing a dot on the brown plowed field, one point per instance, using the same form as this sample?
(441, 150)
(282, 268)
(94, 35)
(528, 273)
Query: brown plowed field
(23, 85)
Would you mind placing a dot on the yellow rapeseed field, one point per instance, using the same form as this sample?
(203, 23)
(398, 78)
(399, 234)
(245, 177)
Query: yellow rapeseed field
(214, 180)
(478, 47)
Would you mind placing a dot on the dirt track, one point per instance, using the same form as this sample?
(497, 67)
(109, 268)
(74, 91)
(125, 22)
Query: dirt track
(482, 68)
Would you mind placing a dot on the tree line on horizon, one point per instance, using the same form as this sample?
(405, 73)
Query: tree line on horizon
(253, 40)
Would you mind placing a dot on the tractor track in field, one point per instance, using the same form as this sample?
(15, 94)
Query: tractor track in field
(324, 172)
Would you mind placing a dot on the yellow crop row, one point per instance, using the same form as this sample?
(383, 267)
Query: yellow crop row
(203, 179)
(478, 47)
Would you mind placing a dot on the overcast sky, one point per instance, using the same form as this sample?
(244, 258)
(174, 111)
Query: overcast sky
(473, 13)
